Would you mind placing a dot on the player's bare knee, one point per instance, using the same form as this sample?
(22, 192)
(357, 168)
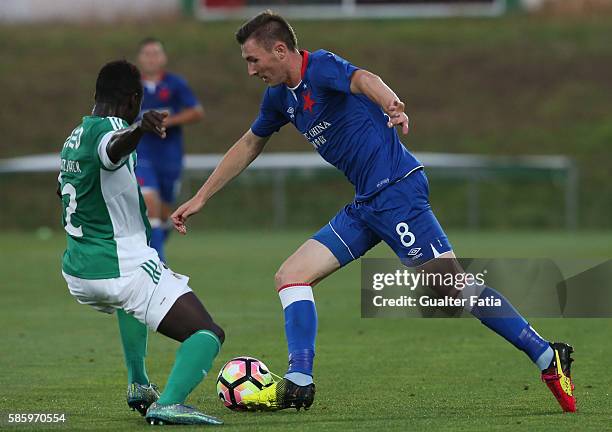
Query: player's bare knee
(285, 276)
(279, 277)
(444, 291)
(443, 266)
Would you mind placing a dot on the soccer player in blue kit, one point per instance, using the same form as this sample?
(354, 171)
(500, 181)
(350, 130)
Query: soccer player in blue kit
(160, 161)
(349, 116)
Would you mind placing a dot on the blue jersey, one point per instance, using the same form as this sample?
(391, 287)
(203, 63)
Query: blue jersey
(171, 94)
(348, 130)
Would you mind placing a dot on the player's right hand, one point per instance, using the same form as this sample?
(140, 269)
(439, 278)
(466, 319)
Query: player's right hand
(153, 121)
(181, 214)
(397, 116)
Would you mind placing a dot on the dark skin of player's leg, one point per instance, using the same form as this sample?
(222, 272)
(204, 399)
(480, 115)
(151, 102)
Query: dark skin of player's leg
(187, 316)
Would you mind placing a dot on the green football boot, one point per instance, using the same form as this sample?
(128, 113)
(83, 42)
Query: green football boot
(140, 397)
(177, 414)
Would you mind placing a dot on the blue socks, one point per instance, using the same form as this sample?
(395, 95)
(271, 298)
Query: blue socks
(300, 329)
(508, 323)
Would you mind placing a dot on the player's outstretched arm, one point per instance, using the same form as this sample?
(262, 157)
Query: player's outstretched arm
(377, 91)
(237, 158)
(124, 141)
(186, 116)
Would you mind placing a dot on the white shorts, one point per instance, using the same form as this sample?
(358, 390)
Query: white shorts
(148, 293)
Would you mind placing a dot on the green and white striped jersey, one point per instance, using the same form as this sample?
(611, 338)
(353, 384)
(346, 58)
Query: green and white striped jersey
(104, 214)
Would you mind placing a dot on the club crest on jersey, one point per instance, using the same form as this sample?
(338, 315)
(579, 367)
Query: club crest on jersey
(308, 102)
(164, 94)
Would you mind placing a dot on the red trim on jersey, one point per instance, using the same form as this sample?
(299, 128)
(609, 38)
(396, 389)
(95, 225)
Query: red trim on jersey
(292, 285)
(305, 55)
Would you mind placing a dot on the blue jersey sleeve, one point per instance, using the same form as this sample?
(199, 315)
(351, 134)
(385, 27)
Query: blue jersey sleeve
(270, 119)
(186, 97)
(334, 73)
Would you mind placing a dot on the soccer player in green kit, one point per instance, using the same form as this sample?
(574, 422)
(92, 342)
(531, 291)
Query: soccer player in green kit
(108, 263)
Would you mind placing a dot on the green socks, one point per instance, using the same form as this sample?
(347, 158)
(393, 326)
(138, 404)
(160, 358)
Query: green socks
(193, 361)
(134, 340)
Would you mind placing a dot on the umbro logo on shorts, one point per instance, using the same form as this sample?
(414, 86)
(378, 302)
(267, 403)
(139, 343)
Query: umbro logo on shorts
(414, 251)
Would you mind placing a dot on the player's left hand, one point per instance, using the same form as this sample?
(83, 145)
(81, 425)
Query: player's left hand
(397, 116)
(153, 121)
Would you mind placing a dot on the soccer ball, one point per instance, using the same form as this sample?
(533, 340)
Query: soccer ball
(239, 377)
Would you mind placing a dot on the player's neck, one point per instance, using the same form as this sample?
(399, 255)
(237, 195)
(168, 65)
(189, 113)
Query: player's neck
(294, 75)
(102, 109)
(153, 77)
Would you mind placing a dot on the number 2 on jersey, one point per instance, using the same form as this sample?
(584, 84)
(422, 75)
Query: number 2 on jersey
(69, 190)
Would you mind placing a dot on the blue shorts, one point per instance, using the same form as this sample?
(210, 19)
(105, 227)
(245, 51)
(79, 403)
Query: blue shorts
(400, 215)
(166, 180)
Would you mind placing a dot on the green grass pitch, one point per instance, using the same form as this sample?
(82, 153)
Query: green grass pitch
(58, 356)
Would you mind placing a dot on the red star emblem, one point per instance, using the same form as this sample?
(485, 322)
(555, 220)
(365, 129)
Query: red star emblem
(164, 94)
(308, 102)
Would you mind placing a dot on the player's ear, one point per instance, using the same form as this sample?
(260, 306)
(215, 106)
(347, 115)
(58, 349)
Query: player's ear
(135, 100)
(280, 50)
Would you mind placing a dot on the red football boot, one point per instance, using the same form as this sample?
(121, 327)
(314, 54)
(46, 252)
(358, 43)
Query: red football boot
(558, 376)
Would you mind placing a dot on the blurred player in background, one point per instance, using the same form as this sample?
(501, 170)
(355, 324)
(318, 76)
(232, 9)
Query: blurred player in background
(108, 263)
(160, 162)
(349, 116)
